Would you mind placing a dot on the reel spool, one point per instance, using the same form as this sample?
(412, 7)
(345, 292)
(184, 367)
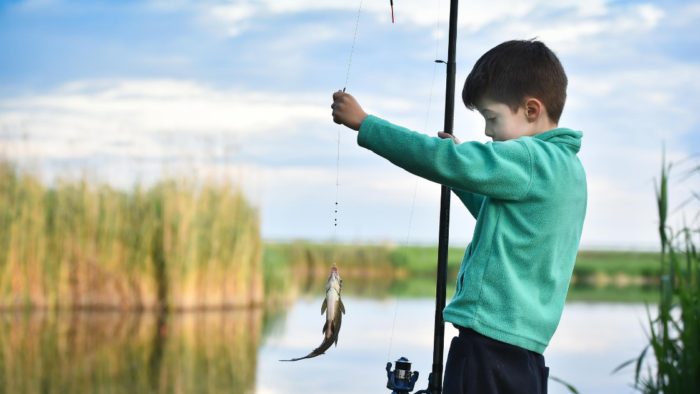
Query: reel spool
(400, 380)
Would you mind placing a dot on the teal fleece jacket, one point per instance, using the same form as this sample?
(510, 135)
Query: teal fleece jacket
(528, 196)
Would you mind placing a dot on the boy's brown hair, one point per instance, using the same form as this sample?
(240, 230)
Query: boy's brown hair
(515, 69)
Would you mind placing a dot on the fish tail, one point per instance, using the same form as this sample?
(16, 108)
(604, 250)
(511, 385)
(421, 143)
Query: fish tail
(294, 359)
(312, 355)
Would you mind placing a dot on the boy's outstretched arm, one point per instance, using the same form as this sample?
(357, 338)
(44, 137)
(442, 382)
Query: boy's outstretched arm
(500, 169)
(472, 201)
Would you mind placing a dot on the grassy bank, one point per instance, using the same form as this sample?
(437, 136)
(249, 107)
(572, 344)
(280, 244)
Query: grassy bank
(300, 268)
(421, 260)
(176, 244)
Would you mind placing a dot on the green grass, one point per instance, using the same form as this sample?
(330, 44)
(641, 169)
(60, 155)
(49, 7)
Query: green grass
(626, 294)
(383, 271)
(419, 279)
(422, 260)
(674, 335)
(617, 262)
(320, 257)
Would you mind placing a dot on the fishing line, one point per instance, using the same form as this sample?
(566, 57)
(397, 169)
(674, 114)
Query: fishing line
(337, 160)
(415, 188)
(353, 45)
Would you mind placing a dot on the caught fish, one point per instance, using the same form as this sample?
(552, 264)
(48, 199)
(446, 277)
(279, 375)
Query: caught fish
(334, 308)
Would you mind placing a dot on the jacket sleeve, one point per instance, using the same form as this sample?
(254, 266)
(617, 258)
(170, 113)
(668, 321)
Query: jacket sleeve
(472, 201)
(501, 169)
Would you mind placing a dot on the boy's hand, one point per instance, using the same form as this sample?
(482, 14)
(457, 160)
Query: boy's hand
(347, 111)
(445, 136)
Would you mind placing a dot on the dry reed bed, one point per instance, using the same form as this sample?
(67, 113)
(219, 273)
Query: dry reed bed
(178, 244)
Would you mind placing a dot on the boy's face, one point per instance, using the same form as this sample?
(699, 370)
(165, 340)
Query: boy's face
(501, 123)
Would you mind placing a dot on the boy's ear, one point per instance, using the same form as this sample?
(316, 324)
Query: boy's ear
(533, 109)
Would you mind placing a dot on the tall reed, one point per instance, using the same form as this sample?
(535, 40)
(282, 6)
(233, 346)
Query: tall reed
(674, 336)
(177, 244)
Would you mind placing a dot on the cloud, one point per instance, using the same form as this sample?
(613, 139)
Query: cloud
(267, 122)
(111, 111)
(282, 147)
(234, 17)
(106, 110)
(569, 31)
(574, 19)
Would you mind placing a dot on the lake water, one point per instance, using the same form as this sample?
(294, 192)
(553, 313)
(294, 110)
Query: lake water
(591, 340)
(238, 351)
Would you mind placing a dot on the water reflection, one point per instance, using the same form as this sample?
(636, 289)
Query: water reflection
(105, 352)
(592, 339)
(238, 351)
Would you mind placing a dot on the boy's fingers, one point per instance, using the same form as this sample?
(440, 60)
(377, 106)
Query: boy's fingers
(445, 136)
(337, 94)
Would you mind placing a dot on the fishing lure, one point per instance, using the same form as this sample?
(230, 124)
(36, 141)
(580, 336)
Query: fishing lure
(392, 10)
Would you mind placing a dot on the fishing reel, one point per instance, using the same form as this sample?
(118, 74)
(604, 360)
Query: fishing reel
(400, 380)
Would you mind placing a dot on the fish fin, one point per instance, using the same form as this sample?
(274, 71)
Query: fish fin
(324, 306)
(336, 331)
(342, 307)
(325, 326)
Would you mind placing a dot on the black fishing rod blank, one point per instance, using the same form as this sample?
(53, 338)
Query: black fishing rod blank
(406, 381)
(444, 231)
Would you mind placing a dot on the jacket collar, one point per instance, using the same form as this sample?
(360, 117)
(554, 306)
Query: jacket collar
(562, 135)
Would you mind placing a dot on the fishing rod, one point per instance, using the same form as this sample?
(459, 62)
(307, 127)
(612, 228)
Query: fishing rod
(401, 380)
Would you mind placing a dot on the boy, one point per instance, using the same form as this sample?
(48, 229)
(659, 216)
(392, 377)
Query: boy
(527, 191)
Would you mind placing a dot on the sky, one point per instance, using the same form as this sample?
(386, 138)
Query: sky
(129, 91)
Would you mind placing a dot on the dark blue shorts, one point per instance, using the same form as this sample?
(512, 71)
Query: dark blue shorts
(477, 364)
